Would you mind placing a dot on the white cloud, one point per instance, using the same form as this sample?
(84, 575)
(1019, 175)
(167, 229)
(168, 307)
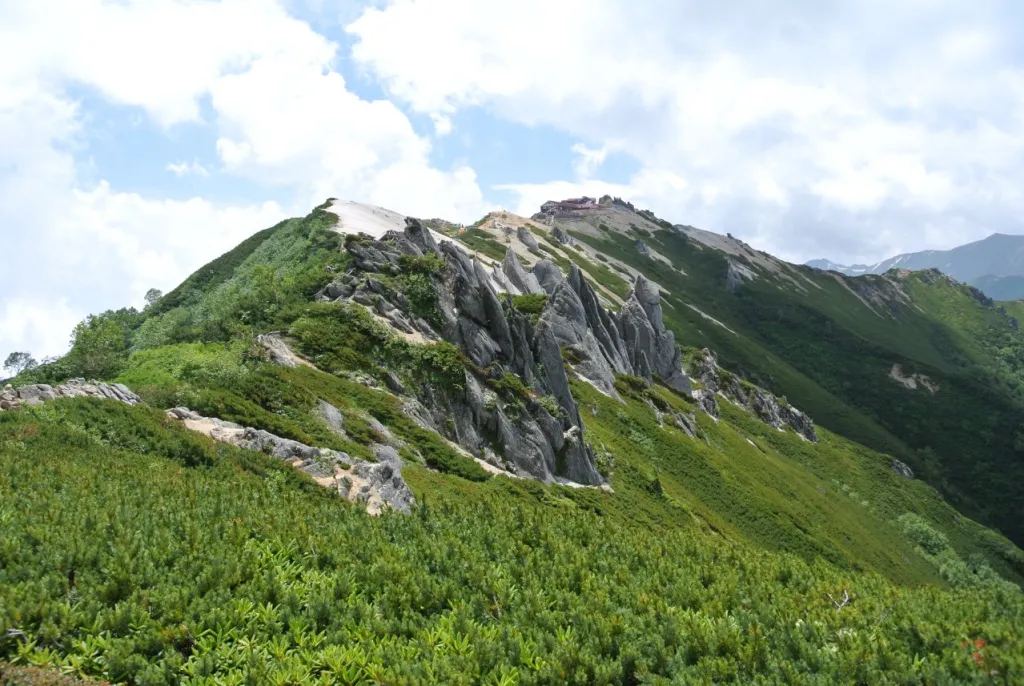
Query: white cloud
(180, 169)
(265, 80)
(150, 243)
(588, 160)
(38, 327)
(848, 127)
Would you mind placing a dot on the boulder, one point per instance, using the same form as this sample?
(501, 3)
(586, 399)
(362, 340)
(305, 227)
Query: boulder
(561, 236)
(527, 238)
(902, 468)
(548, 275)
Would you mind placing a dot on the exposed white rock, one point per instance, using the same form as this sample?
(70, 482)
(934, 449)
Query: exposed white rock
(377, 484)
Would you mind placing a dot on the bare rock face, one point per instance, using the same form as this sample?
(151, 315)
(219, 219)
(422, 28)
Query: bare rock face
(736, 274)
(378, 485)
(527, 238)
(644, 331)
(37, 394)
(760, 402)
(565, 319)
(522, 280)
(561, 236)
(902, 468)
(548, 275)
(522, 436)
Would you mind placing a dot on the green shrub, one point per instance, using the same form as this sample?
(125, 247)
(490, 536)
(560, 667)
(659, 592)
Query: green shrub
(923, 534)
(531, 304)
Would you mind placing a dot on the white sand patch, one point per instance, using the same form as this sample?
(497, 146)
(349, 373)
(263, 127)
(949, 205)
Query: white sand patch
(357, 217)
(711, 319)
(912, 381)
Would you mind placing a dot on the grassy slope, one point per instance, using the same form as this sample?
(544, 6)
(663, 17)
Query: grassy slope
(830, 354)
(743, 512)
(199, 560)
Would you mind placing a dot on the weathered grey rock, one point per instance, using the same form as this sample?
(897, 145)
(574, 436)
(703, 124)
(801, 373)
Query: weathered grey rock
(643, 329)
(707, 403)
(370, 257)
(183, 413)
(420, 236)
(686, 423)
(642, 248)
(800, 422)
(277, 351)
(549, 355)
(525, 446)
(548, 275)
(332, 416)
(527, 238)
(377, 485)
(519, 354)
(752, 398)
(393, 383)
(606, 329)
(498, 276)
(566, 320)
(37, 394)
(735, 275)
(522, 280)
(497, 339)
(902, 469)
(561, 236)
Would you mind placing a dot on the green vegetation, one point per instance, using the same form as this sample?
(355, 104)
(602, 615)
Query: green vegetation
(829, 349)
(531, 304)
(136, 551)
(482, 242)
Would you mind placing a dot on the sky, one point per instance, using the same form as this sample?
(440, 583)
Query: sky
(140, 139)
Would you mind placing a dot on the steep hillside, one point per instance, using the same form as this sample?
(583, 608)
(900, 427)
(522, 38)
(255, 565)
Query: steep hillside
(837, 346)
(998, 255)
(594, 442)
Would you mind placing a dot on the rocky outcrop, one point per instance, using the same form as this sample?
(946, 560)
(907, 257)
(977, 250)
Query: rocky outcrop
(278, 351)
(379, 485)
(901, 468)
(736, 274)
(37, 394)
(527, 238)
(522, 280)
(548, 275)
(645, 335)
(561, 236)
(518, 435)
(912, 381)
(566, 320)
(642, 248)
(760, 402)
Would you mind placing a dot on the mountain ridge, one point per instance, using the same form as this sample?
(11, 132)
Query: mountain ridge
(553, 417)
(979, 263)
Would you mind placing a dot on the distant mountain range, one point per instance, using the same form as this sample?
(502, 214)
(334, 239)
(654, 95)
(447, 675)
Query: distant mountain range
(994, 264)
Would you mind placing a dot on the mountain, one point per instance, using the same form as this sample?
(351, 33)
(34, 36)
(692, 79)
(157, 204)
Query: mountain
(588, 446)
(998, 255)
(1000, 287)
